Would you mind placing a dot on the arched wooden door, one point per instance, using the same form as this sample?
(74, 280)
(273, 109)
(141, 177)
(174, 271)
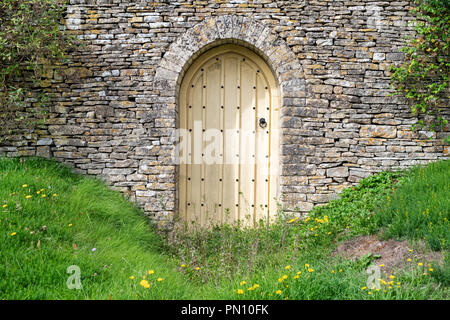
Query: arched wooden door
(229, 121)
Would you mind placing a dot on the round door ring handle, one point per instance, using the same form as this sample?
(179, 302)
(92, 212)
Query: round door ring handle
(262, 123)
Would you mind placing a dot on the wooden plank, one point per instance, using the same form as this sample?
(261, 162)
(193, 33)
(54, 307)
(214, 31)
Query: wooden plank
(262, 149)
(212, 145)
(247, 143)
(195, 191)
(231, 98)
(274, 159)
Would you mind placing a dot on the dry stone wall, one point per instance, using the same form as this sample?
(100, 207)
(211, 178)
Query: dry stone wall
(115, 105)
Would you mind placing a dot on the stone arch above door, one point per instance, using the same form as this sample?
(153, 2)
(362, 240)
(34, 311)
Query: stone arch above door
(229, 29)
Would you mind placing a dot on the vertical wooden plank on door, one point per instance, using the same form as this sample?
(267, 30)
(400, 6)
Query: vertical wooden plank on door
(183, 156)
(273, 152)
(262, 148)
(212, 118)
(222, 134)
(247, 143)
(194, 194)
(230, 148)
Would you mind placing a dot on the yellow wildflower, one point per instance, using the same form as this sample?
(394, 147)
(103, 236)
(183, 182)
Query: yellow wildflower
(28, 197)
(197, 268)
(183, 265)
(131, 277)
(392, 277)
(256, 285)
(242, 283)
(278, 292)
(310, 270)
(285, 277)
(240, 291)
(306, 265)
(287, 267)
(159, 279)
(24, 185)
(150, 271)
(13, 234)
(420, 264)
(364, 288)
(296, 276)
(251, 289)
(70, 224)
(4, 206)
(144, 283)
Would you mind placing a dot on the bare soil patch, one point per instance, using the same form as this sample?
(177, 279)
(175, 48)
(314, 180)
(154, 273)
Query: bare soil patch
(393, 254)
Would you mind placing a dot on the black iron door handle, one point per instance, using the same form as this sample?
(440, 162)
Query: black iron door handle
(262, 123)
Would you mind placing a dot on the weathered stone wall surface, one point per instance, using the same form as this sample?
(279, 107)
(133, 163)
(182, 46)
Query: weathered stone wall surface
(116, 103)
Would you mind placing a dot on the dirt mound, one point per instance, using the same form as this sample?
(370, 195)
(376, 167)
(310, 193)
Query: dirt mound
(393, 254)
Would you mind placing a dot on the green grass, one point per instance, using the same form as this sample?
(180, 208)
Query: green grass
(420, 207)
(202, 264)
(125, 243)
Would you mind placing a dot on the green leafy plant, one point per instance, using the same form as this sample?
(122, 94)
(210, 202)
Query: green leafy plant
(33, 43)
(424, 75)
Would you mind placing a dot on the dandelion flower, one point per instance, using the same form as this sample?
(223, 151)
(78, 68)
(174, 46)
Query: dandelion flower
(70, 224)
(144, 283)
(28, 197)
(150, 271)
(251, 289)
(240, 291)
(409, 260)
(332, 271)
(285, 277)
(183, 265)
(310, 270)
(197, 268)
(242, 283)
(278, 292)
(381, 265)
(299, 272)
(392, 277)
(431, 269)
(24, 185)
(420, 264)
(256, 285)
(13, 234)
(296, 276)
(159, 279)
(364, 288)
(306, 265)
(131, 277)
(287, 267)
(4, 206)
